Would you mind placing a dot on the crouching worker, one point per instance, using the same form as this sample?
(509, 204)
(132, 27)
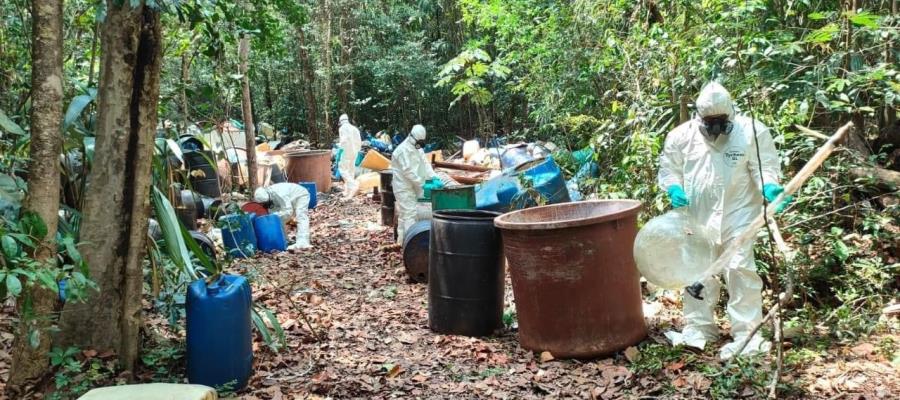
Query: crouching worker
(288, 200)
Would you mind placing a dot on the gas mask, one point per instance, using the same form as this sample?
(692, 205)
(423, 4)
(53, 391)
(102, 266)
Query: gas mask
(715, 125)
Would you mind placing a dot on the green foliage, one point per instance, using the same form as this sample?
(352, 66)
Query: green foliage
(75, 375)
(654, 357)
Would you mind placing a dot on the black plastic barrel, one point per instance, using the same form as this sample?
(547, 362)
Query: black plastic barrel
(387, 198)
(202, 172)
(465, 273)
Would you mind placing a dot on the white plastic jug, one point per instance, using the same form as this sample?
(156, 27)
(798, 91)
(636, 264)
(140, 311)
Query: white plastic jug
(672, 251)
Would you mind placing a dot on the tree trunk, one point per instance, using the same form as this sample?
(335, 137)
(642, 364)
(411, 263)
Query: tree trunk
(93, 63)
(185, 76)
(117, 202)
(30, 363)
(247, 108)
(346, 43)
(309, 77)
(268, 83)
(329, 72)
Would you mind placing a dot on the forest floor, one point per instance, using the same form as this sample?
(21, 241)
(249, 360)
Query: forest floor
(367, 336)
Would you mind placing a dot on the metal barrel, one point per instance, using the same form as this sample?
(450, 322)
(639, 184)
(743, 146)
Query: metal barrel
(387, 198)
(465, 273)
(575, 283)
(203, 173)
(310, 166)
(415, 251)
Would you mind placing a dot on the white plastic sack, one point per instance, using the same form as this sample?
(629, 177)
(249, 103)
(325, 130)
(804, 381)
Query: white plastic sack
(672, 252)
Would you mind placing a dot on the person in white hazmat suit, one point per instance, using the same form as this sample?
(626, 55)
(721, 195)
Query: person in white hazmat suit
(411, 171)
(710, 165)
(350, 142)
(288, 200)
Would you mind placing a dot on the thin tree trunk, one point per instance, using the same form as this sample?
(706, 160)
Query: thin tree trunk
(346, 43)
(117, 202)
(30, 363)
(268, 82)
(309, 77)
(93, 64)
(329, 73)
(247, 108)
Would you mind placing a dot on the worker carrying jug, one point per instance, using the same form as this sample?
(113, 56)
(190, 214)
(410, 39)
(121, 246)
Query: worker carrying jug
(411, 172)
(350, 143)
(711, 166)
(288, 200)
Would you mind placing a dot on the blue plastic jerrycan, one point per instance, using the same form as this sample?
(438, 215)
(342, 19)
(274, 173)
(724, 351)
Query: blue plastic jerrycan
(238, 235)
(219, 344)
(269, 233)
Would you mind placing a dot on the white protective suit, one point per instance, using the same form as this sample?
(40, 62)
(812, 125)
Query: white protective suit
(411, 171)
(723, 184)
(288, 200)
(350, 142)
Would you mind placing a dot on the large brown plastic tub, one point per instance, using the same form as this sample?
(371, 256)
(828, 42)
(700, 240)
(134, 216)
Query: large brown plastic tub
(576, 287)
(310, 166)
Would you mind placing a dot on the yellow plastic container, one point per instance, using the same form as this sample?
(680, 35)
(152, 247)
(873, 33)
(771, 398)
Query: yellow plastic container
(375, 161)
(368, 181)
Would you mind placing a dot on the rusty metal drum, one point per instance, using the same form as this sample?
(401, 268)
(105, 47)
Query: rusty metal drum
(576, 287)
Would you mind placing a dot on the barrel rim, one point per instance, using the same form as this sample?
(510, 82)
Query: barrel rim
(457, 188)
(504, 222)
(306, 153)
(453, 214)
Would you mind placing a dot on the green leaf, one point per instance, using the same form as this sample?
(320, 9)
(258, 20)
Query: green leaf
(34, 225)
(48, 279)
(816, 16)
(823, 34)
(10, 247)
(172, 234)
(841, 251)
(279, 331)
(7, 125)
(261, 327)
(34, 338)
(865, 19)
(77, 106)
(13, 285)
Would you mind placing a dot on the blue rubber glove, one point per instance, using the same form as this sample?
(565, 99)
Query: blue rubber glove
(677, 196)
(771, 192)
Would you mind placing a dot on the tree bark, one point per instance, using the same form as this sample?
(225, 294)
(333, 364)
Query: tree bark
(309, 77)
(185, 77)
(93, 63)
(268, 82)
(117, 202)
(247, 109)
(329, 71)
(30, 363)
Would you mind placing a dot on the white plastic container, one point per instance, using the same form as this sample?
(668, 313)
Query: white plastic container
(672, 251)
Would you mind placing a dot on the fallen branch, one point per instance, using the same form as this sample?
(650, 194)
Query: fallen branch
(882, 177)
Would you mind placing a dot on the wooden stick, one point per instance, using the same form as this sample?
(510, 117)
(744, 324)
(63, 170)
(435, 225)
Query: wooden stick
(466, 180)
(750, 234)
(460, 167)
